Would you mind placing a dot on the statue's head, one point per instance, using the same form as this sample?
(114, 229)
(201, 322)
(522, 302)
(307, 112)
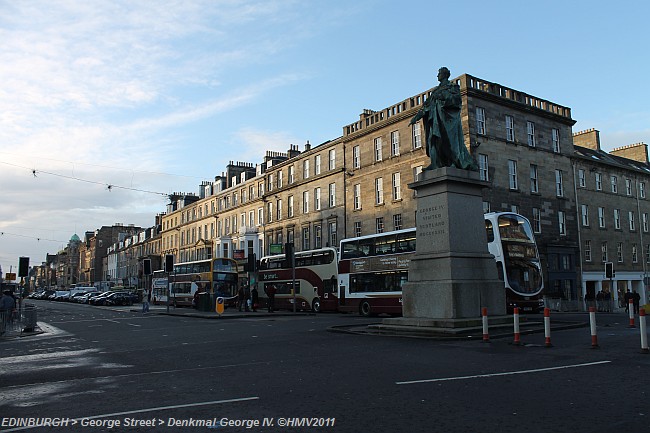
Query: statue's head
(443, 73)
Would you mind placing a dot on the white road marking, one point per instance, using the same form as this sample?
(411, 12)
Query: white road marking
(506, 373)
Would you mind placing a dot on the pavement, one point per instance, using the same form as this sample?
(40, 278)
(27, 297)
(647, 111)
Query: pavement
(229, 313)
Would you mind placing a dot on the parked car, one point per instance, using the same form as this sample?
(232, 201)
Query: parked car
(61, 295)
(84, 297)
(98, 299)
(119, 298)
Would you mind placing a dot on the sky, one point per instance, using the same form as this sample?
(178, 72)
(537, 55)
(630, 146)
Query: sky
(106, 107)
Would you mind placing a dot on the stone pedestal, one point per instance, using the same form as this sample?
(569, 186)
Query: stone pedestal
(452, 275)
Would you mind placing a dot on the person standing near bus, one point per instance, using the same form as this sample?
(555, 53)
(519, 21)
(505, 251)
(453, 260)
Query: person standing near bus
(255, 298)
(270, 292)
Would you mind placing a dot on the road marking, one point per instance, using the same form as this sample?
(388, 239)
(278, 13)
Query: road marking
(22, 359)
(506, 373)
(151, 409)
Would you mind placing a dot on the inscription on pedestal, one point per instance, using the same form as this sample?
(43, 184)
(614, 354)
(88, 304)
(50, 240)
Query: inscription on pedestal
(432, 227)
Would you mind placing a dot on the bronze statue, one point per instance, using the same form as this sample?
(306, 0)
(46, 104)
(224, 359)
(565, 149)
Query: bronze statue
(442, 126)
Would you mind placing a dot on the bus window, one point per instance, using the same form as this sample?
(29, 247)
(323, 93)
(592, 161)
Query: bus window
(490, 231)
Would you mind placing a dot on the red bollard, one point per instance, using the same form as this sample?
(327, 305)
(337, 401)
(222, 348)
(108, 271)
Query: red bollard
(592, 322)
(630, 307)
(486, 337)
(547, 327)
(517, 340)
(644, 335)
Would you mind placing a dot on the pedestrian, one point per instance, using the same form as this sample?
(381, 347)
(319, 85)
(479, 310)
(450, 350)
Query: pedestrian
(145, 301)
(255, 298)
(600, 297)
(628, 296)
(636, 300)
(270, 293)
(247, 298)
(7, 305)
(241, 297)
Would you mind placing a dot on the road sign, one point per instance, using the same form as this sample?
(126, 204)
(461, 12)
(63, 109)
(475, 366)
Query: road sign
(11, 276)
(220, 306)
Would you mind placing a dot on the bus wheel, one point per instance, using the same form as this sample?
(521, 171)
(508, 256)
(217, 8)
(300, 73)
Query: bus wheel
(364, 309)
(315, 306)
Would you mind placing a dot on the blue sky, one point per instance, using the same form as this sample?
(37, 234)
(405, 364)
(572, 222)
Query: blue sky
(159, 95)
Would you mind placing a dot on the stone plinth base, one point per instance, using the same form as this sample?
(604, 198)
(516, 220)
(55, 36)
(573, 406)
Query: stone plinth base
(439, 327)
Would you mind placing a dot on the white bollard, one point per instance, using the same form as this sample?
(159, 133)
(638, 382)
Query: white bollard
(486, 336)
(592, 322)
(644, 335)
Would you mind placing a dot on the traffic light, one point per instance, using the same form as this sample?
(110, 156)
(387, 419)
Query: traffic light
(289, 254)
(251, 265)
(609, 270)
(169, 263)
(146, 265)
(23, 266)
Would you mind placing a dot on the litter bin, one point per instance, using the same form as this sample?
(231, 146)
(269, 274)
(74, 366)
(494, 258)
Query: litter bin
(203, 302)
(29, 318)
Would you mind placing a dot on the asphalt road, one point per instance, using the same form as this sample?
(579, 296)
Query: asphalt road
(98, 369)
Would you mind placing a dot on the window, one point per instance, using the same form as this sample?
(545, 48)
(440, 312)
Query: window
(397, 221)
(635, 255)
(379, 190)
(587, 251)
(357, 229)
(270, 186)
(397, 188)
(394, 143)
(514, 208)
(601, 217)
(480, 121)
(561, 219)
(251, 218)
(534, 185)
(585, 215)
(582, 181)
(644, 218)
(317, 164)
(530, 129)
(278, 209)
(417, 136)
(378, 149)
(290, 207)
(332, 194)
(510, 128)
(305, 167)
(379, 224)
(559, 186)
(619, 252)
(292, 174)
(318, 236)
(617, 219)
(599, 182)
(331, 228)
(305, 238)
(603, 252)
(260, 217)
(280, 178)
(628, 187)
(356, 157)
(305, 202)
(269, 212)
(486, 206)
(483, 167)
(332, 159)
(632, 223)
(512, 174)
(537, 220)
(357, 196)
(647, 254)
(556, 140)
(642, 189)
(317, 204)
(614, 184)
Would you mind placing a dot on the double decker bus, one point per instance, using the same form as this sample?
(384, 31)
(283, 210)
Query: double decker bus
(373, 268)
(218, 277)
(512, 243)
(159, 287)
(372, 271)
(315, 283)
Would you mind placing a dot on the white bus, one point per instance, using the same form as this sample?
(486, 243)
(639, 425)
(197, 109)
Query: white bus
(372, 271)
(373, 268)
(315, 284)
(512, 242)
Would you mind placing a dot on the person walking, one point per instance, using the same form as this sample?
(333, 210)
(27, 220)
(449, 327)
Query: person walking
(241, 297)
(628, 296)
(255, 298)
(7, 305)
(270, 293)
(636, 300)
